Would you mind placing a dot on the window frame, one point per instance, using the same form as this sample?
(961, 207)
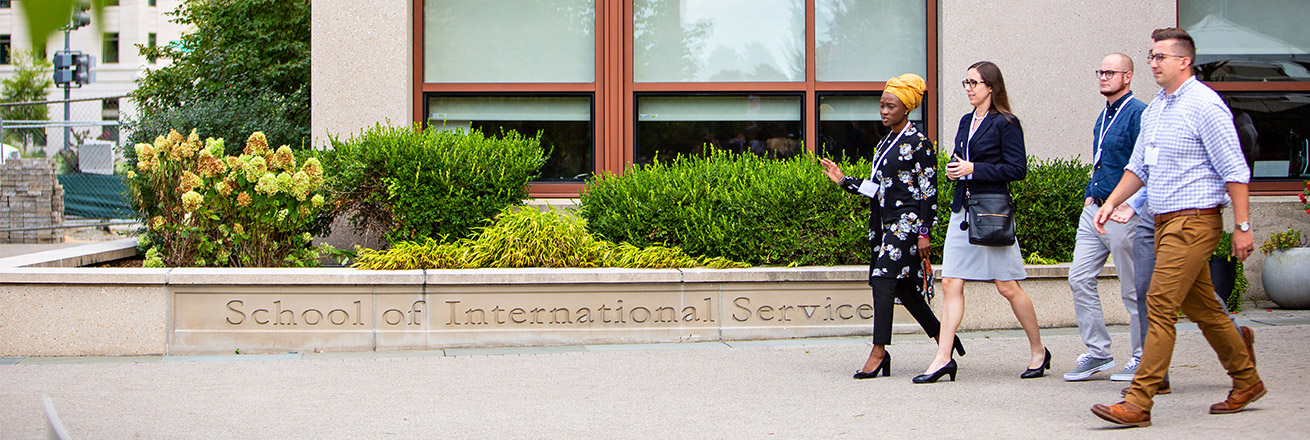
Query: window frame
(614, 88)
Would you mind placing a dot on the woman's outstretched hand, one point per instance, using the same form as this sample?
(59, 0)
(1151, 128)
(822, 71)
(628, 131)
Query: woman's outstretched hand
(832, 170)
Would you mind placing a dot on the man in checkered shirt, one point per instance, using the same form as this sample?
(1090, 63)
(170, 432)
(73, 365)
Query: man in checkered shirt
(1189, 153)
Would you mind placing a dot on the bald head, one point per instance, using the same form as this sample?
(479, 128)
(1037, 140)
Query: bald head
(1116, 74)
(1118, 61)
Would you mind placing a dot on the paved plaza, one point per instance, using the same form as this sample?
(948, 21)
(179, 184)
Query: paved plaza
(756, 389)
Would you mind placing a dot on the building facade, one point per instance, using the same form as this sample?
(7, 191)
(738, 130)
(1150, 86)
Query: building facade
(616, 82)
(112, 41)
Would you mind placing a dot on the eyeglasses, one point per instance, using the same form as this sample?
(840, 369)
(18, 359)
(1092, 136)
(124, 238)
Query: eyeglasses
(1159, 57)
(969, 84)
(1107, 74)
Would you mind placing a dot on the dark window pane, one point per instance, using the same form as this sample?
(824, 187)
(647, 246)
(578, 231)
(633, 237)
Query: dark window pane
(766, 125)
(5, 46)
(565, 123)
(110, 54)
(850, 125)
(1274, 129)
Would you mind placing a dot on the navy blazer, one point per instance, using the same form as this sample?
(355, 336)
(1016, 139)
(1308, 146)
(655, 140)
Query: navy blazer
(997, 153)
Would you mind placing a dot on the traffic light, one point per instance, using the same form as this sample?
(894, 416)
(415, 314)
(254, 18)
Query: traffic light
(64, 67)
(81, 15)
(82, 73)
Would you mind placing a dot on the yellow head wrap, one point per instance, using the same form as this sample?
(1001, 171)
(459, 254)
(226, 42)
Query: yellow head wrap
(909, 88)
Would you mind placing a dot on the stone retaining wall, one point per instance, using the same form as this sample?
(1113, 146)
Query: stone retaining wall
(76, 311)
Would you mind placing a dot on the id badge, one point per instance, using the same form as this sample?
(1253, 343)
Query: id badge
(1152, 156)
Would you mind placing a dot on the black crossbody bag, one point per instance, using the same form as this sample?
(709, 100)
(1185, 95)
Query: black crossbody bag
(989, 218)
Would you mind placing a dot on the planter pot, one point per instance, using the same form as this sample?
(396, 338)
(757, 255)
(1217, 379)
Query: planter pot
(1286, 278)
(1223, 274)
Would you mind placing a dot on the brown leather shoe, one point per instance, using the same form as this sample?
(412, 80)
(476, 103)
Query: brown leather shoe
(1164, 389)
(1123, 413)
(1238, 399)
(1248, 338)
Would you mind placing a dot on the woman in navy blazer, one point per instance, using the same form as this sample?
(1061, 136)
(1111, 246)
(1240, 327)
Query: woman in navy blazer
(988, 154)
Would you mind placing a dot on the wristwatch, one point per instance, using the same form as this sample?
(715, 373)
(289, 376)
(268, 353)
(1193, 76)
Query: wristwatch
(1244, 226)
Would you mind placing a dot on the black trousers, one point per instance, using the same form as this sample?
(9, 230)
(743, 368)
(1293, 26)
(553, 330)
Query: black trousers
(885, 291)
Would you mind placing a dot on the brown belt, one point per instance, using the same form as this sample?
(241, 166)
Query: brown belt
(1160, 219)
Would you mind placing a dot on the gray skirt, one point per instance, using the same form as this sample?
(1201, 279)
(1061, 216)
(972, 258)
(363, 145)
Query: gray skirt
(963, 260)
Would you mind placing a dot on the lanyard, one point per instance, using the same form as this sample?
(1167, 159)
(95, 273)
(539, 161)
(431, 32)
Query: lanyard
(1105, 127)
(878, 160)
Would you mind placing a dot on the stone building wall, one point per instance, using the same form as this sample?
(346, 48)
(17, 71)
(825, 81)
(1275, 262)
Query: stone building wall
(30, 196)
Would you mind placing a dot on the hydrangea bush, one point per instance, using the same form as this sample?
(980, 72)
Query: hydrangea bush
(205, 208)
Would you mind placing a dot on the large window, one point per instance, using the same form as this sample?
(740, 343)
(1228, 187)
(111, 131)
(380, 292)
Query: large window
(563, 121)
(668, 126)
(109, 54)
(1256, 54)
(613, 83)
(6, 45)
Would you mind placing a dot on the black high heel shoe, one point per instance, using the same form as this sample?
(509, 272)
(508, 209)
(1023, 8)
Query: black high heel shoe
(1033, 373)
(949, 368)
(959, 346)
(885, 367)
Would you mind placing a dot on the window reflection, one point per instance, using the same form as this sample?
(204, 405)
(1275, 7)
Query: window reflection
(765, 125)
(1274, 130)
(565, 124)
(869, 40)
(718, 40)
(1248, 40)
(481, 41)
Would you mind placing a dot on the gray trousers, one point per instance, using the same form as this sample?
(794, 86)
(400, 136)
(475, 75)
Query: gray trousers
(1089, 255)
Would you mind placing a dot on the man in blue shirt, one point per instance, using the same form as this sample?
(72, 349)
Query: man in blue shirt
(1189, 154)
(1113, 137)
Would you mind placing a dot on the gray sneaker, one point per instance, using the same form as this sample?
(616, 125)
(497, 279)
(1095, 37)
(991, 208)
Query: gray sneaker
(1128, 372)
(1087, 366)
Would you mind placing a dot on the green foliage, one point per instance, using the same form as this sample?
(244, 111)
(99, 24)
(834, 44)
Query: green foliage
(205, 208)
(244, 64)
(1048, 204)
(529, 238)
(413, 184)
(736, 206)
(1278, 241)
(44, 17)
(1240, 284)
(1033, 258)
(30, 82)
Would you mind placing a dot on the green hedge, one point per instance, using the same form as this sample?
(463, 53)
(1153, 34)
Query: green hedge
(737, 206)
(412, 184)
(764, 212)
(1047, 204)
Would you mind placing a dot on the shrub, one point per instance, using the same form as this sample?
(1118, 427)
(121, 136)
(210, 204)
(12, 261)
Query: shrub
(205, 208)
(412, 184)
(223, 119)
(1048, 204)
(736, 206)
(1240, 284)
(529, 238)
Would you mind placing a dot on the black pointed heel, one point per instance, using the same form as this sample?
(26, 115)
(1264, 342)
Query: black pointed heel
(884, 367)
(948, 369)
(959, 346)
(1033, 373)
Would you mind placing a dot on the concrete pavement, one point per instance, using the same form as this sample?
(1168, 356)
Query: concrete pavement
(753, 389)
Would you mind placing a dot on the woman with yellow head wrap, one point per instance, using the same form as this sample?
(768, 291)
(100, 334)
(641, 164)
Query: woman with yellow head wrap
(903, 189)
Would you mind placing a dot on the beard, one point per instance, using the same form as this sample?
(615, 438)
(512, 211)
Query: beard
(1116, 90)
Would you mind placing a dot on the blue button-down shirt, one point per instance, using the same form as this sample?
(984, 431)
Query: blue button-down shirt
(1198, 151)
(1120, 123)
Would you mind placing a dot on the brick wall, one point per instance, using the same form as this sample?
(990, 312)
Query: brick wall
(30, 196)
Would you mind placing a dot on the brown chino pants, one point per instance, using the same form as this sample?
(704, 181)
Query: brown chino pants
(1181, 281)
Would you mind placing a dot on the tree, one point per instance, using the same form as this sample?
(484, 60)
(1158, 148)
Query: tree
(30, 82)
(244, 67)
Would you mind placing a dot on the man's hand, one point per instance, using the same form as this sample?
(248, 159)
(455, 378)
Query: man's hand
(1243, 244)
(1087, 202)
(1123, 213)
(832, 170)
(1102, 215)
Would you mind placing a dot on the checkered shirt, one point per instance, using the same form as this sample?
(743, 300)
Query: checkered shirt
(1198, 149)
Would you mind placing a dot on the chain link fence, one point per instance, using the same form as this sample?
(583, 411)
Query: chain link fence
(85, 145)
